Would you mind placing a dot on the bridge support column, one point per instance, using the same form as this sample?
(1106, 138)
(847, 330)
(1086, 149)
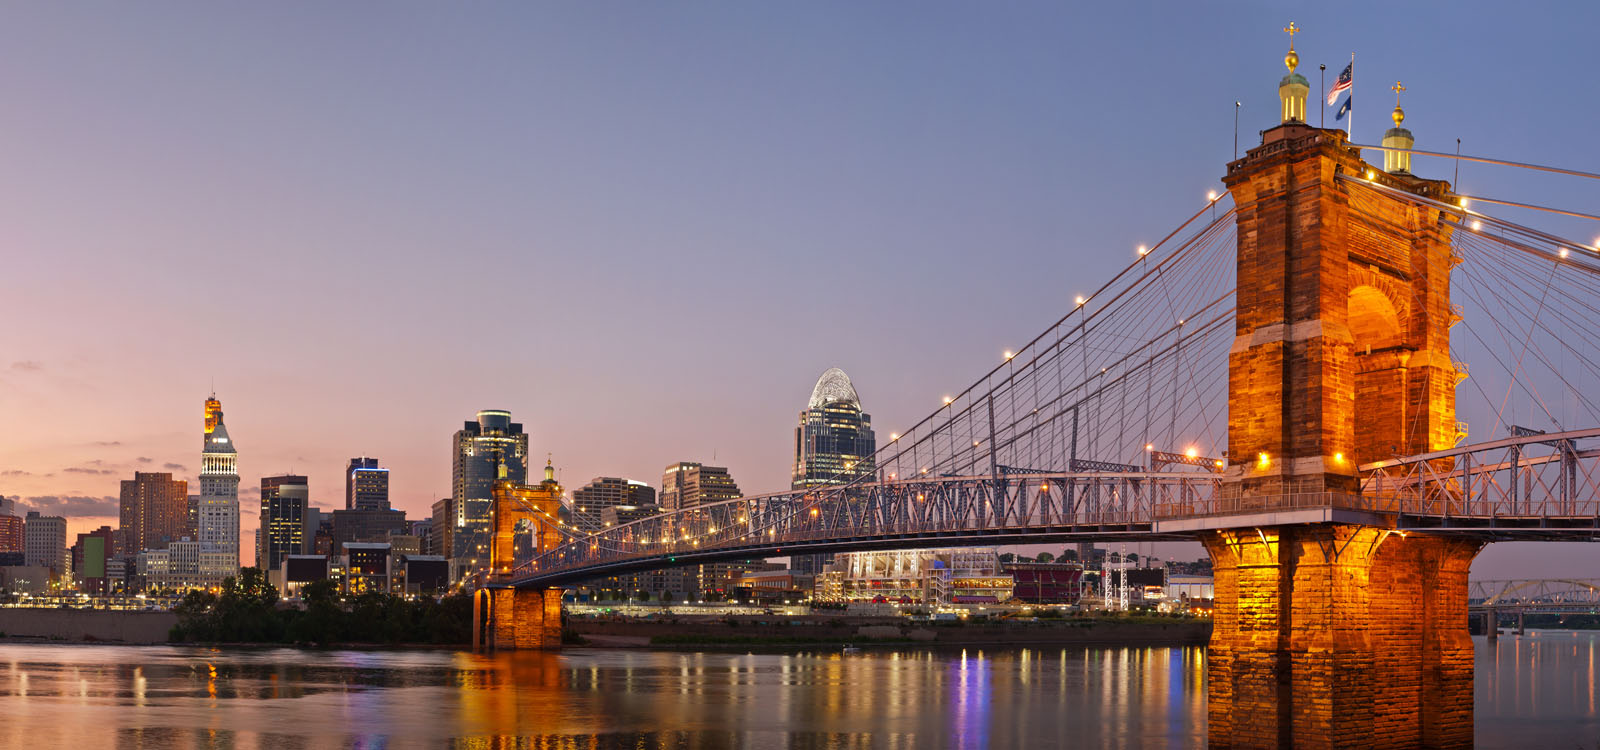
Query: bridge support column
(1332, 635)
(508, 618)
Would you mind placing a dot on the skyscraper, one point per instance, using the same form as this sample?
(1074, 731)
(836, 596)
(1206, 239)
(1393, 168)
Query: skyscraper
(154, 511)
(590, 501)
(833, 444)
(366, 486)
(686, 484)
(218, 511)
(484, 450)
(44, 542)
(284, 500)
(10, 533)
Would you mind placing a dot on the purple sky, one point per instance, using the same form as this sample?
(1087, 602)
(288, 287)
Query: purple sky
(643, 228)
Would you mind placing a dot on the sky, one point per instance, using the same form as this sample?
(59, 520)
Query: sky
(644, 228)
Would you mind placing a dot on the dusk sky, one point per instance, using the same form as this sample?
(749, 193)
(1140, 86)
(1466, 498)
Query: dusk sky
(643, 228)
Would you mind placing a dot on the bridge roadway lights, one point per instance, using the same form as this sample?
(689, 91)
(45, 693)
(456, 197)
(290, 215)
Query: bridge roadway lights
(1336, 635)
(505, 618)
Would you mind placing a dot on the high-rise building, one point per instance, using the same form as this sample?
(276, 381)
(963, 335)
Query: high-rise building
(284, 503)
(440, 537)
(834, 442)
(366, 485)
(10, 533)
(590, 501)
(492, 447)
(154, 511)
(686, 484)
(44, 542)
(833, 445)
(218, 512)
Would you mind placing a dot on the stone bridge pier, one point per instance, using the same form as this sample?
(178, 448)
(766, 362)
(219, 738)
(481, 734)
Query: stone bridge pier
(1332, 630)
(1339, 635)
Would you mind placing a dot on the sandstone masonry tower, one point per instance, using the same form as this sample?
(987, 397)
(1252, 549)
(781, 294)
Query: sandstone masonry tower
(1331, 630)
(504, 617)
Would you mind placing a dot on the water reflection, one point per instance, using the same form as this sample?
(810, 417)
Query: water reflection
(1534, 691)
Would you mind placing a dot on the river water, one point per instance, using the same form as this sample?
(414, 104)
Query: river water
(1535, 691)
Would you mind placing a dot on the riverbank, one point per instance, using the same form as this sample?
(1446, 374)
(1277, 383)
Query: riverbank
(746, 633)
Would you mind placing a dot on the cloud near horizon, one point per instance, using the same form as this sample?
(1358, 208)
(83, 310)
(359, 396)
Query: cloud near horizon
(27, 365)
(174, 467)
(69, 505)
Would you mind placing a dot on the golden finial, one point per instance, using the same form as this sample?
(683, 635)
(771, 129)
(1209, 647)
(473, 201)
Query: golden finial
(1399, 115)
(1293, 58)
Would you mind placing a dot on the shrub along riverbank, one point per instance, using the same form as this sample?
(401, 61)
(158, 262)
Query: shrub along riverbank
(248, 611)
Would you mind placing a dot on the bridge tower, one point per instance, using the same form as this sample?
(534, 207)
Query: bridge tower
(503, 616)
(1330, 629)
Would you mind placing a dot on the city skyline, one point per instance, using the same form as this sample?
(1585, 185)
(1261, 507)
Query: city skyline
(969, 143)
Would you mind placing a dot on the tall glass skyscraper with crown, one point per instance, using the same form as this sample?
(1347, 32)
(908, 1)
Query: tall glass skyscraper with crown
(833, 444)
(480, 448)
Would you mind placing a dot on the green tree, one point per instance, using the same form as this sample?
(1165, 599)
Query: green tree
(1006, 557)
(1045, 557)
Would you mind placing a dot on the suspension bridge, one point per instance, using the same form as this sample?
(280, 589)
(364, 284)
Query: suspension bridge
(1285, 378)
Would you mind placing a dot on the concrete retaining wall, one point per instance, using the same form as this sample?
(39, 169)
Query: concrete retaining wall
(87, 625)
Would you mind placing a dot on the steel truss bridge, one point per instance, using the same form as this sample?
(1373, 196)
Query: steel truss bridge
(1099, 427)
(1550, 595)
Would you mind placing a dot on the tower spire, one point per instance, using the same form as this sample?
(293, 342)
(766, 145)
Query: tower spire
(1293, 89)
(1398, 162)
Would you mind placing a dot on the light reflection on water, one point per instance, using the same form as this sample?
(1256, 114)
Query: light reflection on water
(1538, 691)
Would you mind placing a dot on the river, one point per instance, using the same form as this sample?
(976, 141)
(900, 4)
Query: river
(1535, 691)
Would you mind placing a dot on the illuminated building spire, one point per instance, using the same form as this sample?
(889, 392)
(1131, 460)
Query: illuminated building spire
(1397, 137)
(213, 413)
(1293, 89)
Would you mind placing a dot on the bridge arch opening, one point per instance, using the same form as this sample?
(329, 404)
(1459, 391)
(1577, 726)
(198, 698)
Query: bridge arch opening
(1374, 320)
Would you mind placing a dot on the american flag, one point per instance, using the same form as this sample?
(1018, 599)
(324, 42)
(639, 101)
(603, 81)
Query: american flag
(1342, 84)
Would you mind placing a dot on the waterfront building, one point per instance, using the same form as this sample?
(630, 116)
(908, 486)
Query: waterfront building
(590, 502)
(959, 575)
(366, 485)
(366, 566)
(10, 533)
(492, 447)
(833, 444)
(90, 558)
(297, 571)
(183, 565)
(1046, 583)
(44, 543)
(217, 525)
(285, 502)
(153, 511)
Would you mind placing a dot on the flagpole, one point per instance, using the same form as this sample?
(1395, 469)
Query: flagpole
(1350, 125)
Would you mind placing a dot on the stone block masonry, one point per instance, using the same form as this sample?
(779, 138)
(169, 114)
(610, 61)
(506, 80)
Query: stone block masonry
(1339, 636)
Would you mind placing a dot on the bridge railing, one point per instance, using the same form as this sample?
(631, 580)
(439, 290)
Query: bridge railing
(1530, 476)
(924, 507)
